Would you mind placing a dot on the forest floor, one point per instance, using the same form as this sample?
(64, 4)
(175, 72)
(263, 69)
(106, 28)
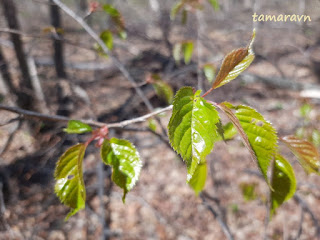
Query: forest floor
(161, 205)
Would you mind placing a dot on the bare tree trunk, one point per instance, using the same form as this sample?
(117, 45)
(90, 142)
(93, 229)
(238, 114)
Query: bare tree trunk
(25, 98)
(57, 45)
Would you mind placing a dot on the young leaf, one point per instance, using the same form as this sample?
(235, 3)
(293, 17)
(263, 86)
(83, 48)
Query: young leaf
(125, 161)
(177, 52)
(214, 4)
(306, 153)
(234, 64)
(199, 177)
(187, 48)
(176, 8)
(209, 71)
(112, 11)
(192, 128)
(283, 182)
(163, 89)
(75, 126)
(115, 16)
(258, 135)
(107, 38)
(68, 174)
(249, 191)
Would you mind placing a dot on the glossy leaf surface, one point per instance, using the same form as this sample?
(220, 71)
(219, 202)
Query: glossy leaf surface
(306, 153)
(75, 126)
(258, 135)
(192, 128)
(234, 64)
(68, 174)
(283, 182)
(125, 161)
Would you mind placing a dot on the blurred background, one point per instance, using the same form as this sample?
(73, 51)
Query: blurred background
(49, 64)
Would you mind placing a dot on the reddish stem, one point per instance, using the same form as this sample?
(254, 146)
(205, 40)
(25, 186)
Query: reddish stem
(209, 91)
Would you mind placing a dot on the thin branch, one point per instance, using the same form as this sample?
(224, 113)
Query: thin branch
(199, 48)
(115, 60)
(55, 36)
(217, 216)
(57, 118)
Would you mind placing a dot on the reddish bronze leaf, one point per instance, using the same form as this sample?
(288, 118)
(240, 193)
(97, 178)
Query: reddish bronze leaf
(306, 153)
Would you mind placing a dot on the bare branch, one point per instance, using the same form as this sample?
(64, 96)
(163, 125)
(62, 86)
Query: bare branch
(57, 118)
(217, 216)
(55, 36)
(115, 60)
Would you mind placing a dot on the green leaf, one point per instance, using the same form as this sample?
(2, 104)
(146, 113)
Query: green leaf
(209, 71)
(177, 52)
(199, 177)
(258, 135)
(306, 153)
(214, 4)
(187, 48)
(163, 89)
(234, 64)
(123, 35)
(315, 136)
(192, 128)
(176, 8)
(249, 191)
(283, 182)
(152, 124)
(68, 174)
(305, 110)
(125, 161)
(107, 38)
(75, 126)
(112, 11)
(229, 131)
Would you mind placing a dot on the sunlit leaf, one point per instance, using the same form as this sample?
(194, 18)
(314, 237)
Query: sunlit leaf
(75, 126)
(214, 4)
(209, 71)
(229, 131)
(177, 52)
(112, 11)
(68, 174)
(306, 153)
(107, 38)
(125, 161)
(283, 182)
(192, 128)
(187, 49)
(234, 64)
(257, 134)
(199, 177)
